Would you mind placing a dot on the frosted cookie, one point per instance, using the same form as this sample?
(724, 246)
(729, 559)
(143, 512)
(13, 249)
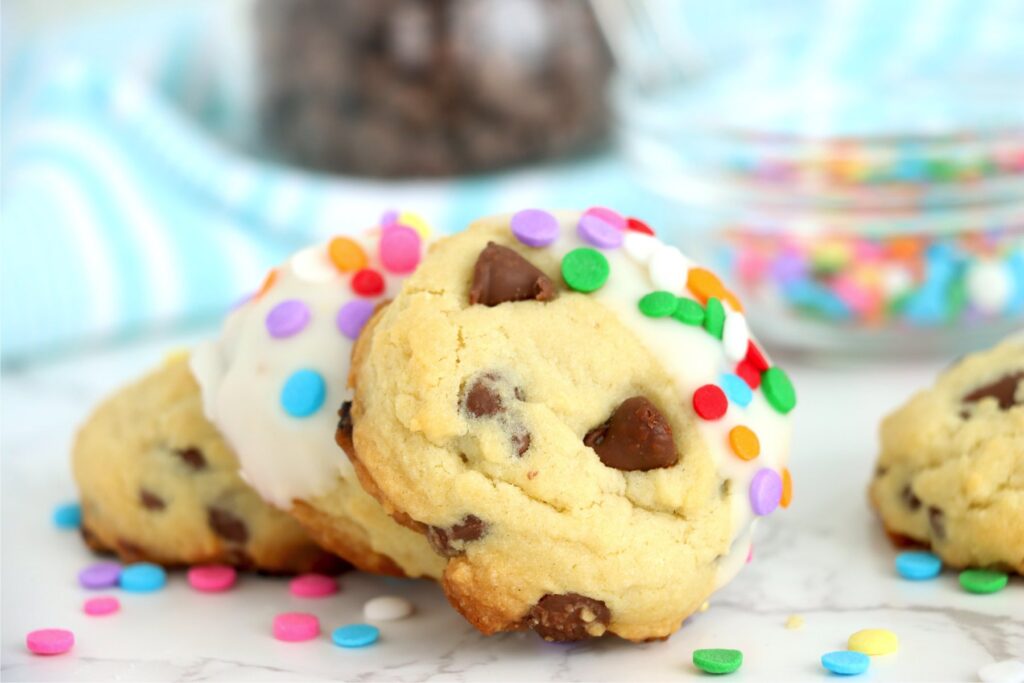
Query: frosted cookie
(158, 483)
(274, 382)
(951, 471)
(576, 417)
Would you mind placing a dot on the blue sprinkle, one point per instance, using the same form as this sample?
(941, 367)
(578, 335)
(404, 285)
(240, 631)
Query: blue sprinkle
(303, 393)
(736, 389)
(355, 635)
(926, 307)
(845, 662)
(811, 295)
(143, 578)
(918, 565)
(68, 516)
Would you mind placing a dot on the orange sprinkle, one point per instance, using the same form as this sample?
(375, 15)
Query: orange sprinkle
(732, 300)
(905, 248)
(268, 282)
(787, 488)
(346, 254)
(704, 284)
(744, 442)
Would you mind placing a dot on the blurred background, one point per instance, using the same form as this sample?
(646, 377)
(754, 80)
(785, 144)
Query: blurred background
(855, 169)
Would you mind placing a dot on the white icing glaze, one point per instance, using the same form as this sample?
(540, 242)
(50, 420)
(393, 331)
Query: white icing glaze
(242, 373)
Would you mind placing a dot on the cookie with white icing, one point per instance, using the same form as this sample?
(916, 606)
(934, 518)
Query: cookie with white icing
(276, 379)
(577, 418)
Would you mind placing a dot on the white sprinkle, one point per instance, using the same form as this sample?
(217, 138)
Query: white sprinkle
(735, 336)
(896, 280)
(1006, 671)
(989, 285)
(640, 247)
(312, 265)
(668, 268)
(387, 608)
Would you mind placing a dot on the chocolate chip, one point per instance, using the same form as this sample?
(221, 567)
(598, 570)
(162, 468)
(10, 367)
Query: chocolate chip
(150, 500)
(331, 565)
(521, 440)
(881, 471)
(909, 499)
(343, 436)
(937, 521)
(1003, 390)
(130, 550)
(635, 437)
(483, 399)
(192, 456)
(227, 525)
(448, 542)
(568, 617)
(501, 275)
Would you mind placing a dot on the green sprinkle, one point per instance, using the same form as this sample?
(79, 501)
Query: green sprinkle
(778, 389)
(714, 318)
(983, 580)
(658, 304)
(956, 298)
(689, 311)
(585, 270)
(717, 661)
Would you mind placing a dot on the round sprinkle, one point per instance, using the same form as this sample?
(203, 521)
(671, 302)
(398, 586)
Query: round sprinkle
(667, 269)
(744, 443)
(735, 336)
(787, 488)
(313, 586)
(990, 286)
(353, 316)
(717, 661)
(400, 249)
(67, 516)
(640, 247)
(602, 228)
(983, 581)
(414, 221)
(778, 389)
(585, 269)
(637, 225)
(313, 265)
(100, 575)
(710, 402)
(303, 393)
(296, 627)
(658, 304)
(287, 318)
(535, 227)
(714, 317)
(704, 284)
(874, 641)
(346, 254)
(749, 374)
(765, 491)
(755, 357)
(388, 218)
(143, 578)
(387, 608)
(98, 607)
(688, 312)
(268, 283)
(736, 389)
(368, 282)
(845, 663)
(212, 578)
(918, 565)
(1006, 671)
(355, 635)
(50, 641)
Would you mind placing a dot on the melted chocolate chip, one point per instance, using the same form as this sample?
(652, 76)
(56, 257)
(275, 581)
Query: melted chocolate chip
(1003, 390)
(150, 500)
(521, 440)
(192, 456)
(568, 617)
(937, 521)
(635, 437)
(471, 528)
(909, 499)
(482, 398)
(343, 436)
(501, 275)
(227, 525)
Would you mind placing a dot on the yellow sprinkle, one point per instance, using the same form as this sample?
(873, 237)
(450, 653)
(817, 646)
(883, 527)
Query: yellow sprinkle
(416, 222)
(175, 355)
(874, 641)
(794, 622)
(704, 607)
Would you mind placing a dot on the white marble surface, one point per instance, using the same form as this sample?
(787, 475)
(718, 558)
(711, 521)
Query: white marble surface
(825, 559)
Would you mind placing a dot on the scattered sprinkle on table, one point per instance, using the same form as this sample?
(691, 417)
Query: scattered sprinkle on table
(67, 516)
(1006, 671)
(874, 641)
(143, 578)
(387, 608)
(313, 586)
(918, 565)
(355, 635)
(103, 605)
(846, 663)
(50, 641)
(794, 622)
(983, 581)
(717, 660)
(100, 575)
(296, 627)
(212, 578)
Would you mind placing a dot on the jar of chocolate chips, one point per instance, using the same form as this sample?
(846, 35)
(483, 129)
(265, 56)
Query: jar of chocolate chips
(429, 87)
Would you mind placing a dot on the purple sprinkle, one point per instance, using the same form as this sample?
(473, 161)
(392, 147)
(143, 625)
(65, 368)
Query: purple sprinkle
(100, 575)
(353, 315)
(389, 217)
(535, 227)
(287, 318)
(600, 227)
(765, 491)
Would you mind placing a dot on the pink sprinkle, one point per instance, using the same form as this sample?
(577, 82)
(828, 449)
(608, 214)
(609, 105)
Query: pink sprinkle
(295, 627)
(212, 578)
(400, 249)
(313, 586)
(750, 554)
(97, 607)
(50, 641)
(854, 295)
